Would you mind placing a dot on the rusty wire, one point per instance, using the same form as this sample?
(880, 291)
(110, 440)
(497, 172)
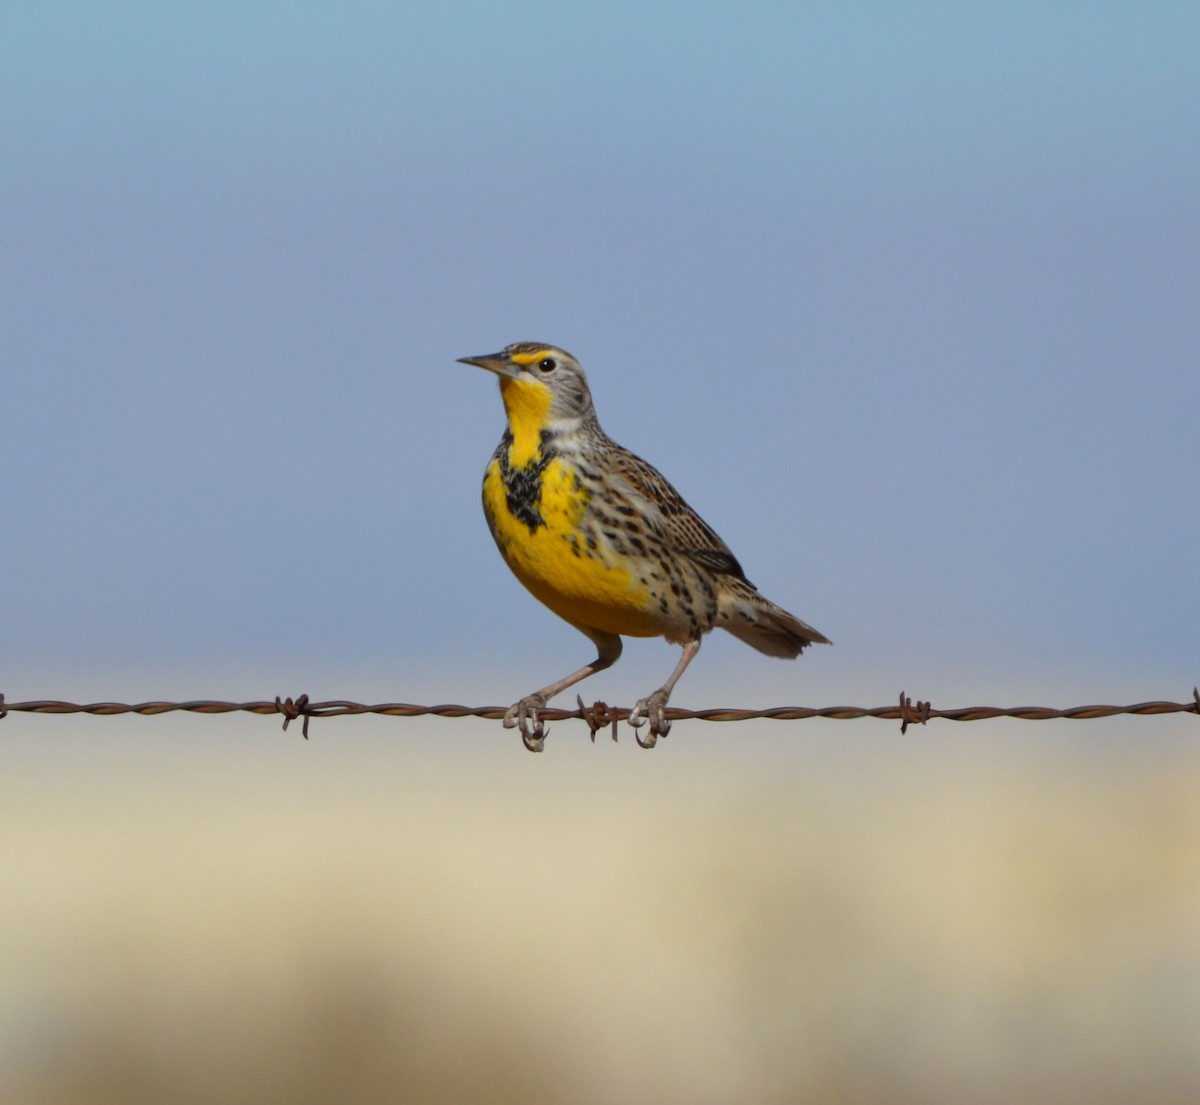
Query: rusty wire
(599, 715)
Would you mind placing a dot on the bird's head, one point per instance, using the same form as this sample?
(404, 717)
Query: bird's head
(541, 384)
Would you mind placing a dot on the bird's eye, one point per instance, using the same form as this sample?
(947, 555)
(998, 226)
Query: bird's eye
(548, 365)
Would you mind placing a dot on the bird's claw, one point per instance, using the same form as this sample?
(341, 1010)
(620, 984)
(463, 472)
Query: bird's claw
(525, 715)
(653, 710)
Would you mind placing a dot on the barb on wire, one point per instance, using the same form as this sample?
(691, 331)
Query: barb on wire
(599, 715)
(908, 714)
(292, 710)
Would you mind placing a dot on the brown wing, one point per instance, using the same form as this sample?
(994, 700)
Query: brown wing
(681, 527)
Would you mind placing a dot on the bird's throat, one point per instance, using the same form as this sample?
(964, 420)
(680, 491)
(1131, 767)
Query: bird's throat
(528, 405)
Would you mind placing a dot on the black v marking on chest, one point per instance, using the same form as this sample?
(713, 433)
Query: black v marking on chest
(523, 486)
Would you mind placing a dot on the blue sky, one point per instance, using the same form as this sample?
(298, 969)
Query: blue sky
(904, 301)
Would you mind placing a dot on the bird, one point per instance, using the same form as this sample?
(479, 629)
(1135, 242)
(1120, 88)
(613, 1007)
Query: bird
(600, 537)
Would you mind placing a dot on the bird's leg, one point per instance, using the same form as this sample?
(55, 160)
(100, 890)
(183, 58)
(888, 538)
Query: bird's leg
(653, 707)
(525, 714)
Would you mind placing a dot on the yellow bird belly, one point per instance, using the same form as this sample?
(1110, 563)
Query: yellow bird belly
(587, 587)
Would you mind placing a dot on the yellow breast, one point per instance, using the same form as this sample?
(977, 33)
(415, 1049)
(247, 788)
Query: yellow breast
(587, 587)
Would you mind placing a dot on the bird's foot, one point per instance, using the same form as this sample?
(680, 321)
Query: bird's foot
(654, 710)
(525, 715)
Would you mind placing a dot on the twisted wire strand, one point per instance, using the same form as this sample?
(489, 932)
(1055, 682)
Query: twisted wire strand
(599, 715)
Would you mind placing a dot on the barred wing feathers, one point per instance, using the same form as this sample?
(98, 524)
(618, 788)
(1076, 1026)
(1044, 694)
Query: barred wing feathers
(745, 613)
(685, 531)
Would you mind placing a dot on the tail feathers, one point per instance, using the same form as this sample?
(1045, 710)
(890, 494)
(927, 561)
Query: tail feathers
(765, 626)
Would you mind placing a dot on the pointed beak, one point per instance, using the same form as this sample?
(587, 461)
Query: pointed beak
(498, 363)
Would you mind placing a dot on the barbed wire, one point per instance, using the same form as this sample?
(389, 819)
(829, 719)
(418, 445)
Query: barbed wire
(599, 715)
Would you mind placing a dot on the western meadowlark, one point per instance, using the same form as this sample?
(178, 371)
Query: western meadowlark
(601, 538)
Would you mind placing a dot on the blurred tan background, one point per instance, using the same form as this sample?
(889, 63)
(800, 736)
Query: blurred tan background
(206, 909)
